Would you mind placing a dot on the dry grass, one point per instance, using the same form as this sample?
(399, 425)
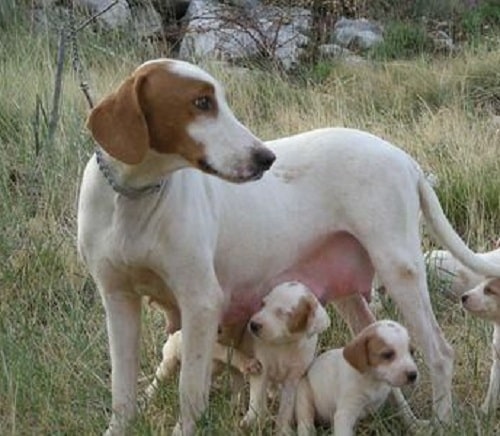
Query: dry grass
(54, 367)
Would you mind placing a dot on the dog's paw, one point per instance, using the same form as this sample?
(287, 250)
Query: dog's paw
(177, 431)
(251, 367)
(247, 421)
(485, 408)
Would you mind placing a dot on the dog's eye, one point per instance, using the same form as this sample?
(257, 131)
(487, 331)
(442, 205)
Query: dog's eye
(203, 103)
(412, 351)
(387, 355)
(488, 291)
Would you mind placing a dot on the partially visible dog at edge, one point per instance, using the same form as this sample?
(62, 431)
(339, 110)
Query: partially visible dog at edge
(182, 203)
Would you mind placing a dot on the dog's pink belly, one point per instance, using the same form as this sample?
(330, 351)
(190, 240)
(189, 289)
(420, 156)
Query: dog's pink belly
(335, 267)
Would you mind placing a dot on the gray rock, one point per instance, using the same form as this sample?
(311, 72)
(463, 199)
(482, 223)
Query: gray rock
(359, 33)
(231, 33)
(117, 16)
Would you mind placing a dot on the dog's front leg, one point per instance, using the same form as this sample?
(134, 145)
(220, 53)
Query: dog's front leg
(200, 314)
(123, 311)
(286, 408)
(490, 401)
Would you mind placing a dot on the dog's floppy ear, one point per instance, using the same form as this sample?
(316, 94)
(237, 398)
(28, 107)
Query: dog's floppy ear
(318, 320)
(118, 124)
(309, 316)
(356, 351)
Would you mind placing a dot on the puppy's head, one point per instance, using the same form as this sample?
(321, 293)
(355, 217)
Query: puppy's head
(383, 351)
(484, 300)
(174, 113)
(289, 312)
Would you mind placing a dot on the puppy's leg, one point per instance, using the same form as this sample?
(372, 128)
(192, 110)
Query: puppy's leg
(171, 359)
(286, 407)
(344, 422)
(123, 310)
(258, 405)
(304, 409)
(200, 314)
(491, 399)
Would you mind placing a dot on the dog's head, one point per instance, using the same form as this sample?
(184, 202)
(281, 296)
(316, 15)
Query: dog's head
(289, 312)
(484, 300)
(383, 350)
(173, 111)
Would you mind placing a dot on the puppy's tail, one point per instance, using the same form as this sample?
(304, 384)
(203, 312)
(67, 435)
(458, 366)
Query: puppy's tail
(446, 235)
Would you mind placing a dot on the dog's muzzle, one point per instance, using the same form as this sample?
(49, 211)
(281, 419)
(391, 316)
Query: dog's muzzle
(262, 159)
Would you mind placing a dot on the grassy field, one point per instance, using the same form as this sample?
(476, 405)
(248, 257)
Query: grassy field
(54, 364)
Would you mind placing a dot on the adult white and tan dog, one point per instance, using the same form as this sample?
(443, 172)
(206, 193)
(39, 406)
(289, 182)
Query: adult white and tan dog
(484, 301)
(153, 220)
(345, 384)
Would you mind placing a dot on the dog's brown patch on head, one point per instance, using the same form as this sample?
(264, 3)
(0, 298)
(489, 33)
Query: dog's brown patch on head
(380, 352)
(171, 102)
(368, 350)
(299, 317)
(152, 109)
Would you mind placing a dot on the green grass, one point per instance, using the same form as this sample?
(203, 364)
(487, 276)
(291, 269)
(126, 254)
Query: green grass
(54, 364)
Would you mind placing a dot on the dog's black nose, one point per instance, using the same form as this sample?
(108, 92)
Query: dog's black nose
(263, 158)
(255, 327)
(464, 298)
(411, 376)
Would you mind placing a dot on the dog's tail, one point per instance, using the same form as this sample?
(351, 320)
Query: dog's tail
(446, 235)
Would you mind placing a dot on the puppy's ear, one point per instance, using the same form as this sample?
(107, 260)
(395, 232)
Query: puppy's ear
(118, 124)
(356, 352)
(297, 321)
(318, 320)
(309, 316)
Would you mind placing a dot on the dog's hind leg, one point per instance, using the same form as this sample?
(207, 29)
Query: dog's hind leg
(355, 311)
(402, 270)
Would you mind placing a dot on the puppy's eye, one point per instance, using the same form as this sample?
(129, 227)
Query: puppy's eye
(204, 103)
(488, 291)
(412, 351)
(388, 355)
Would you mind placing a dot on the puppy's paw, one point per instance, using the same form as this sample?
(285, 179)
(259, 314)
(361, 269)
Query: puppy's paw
(251, 367)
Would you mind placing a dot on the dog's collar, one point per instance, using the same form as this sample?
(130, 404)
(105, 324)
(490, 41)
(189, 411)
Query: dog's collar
(126, 191)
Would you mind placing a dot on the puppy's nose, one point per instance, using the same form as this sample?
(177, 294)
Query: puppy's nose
(411, 376)
(464, 298)
(255, 327)
(263, 158)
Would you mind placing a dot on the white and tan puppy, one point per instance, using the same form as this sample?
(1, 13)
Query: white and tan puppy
(285, 333)
(454, 277)
(484, 302)
(345, 384)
